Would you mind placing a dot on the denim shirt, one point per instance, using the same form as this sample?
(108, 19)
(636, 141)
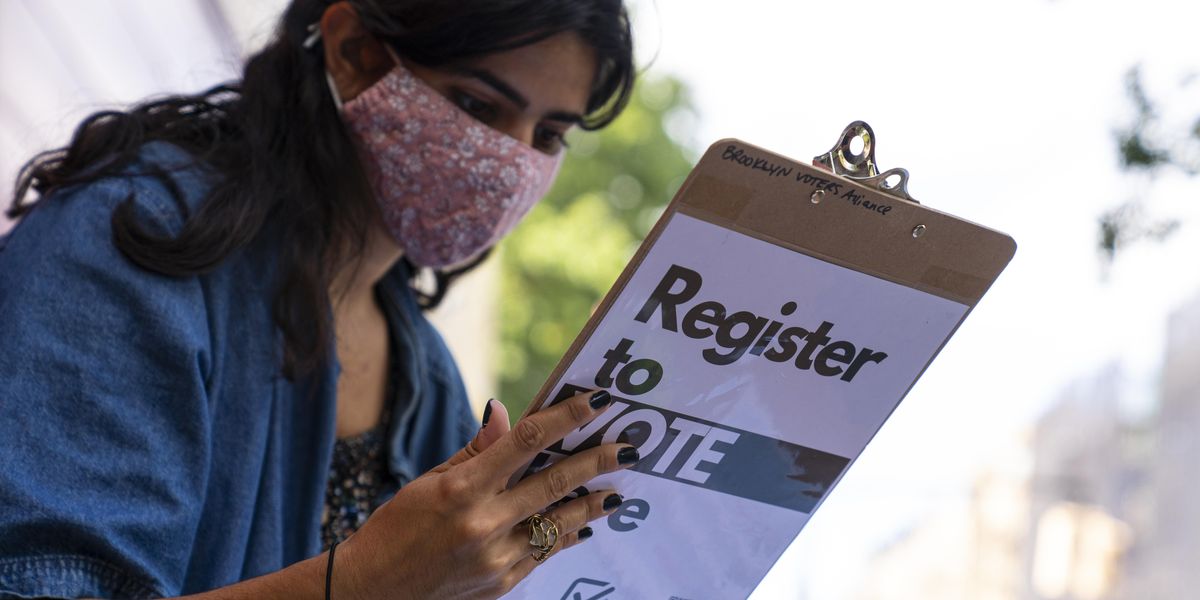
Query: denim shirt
(149, 444)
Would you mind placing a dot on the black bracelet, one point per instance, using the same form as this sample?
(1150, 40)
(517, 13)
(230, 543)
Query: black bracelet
(329, 570)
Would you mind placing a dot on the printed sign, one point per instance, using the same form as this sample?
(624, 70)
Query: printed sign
(749, 376)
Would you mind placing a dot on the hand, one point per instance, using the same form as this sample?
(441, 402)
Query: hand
(457, 532)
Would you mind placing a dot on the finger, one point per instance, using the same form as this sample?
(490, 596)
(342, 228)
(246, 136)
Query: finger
(576, 514)
(495, 425)
(548, 485)
(570, 517)
(533, 434)
(526, 565)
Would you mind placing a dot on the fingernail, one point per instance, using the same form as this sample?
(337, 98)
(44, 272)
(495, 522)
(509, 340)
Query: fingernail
(487, 413)
(600, 399)
(613, 501)
(628, 455)
(585, 533)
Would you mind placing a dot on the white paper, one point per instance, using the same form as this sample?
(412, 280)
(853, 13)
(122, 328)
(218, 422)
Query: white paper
(735, 457)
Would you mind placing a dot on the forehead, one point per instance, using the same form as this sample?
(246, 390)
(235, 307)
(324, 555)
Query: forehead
(556, 73)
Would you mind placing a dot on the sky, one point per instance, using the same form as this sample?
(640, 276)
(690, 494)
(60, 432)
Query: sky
(1003, 113)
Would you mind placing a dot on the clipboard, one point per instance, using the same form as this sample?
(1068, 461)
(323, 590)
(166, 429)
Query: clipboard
(772, 320)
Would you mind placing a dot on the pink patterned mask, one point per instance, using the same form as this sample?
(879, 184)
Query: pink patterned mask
(448, 185)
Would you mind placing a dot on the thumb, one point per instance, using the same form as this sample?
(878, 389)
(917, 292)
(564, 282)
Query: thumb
(495, 425)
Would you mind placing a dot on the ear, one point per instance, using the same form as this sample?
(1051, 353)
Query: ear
(355, 58)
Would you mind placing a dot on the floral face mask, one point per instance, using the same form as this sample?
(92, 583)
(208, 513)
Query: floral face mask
(449, 186)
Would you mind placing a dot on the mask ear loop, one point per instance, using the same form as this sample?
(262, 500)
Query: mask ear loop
(337, 98)
(310, 42)
(395, 57)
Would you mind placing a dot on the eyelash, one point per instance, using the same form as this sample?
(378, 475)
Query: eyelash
(485, 112)
(558, 140)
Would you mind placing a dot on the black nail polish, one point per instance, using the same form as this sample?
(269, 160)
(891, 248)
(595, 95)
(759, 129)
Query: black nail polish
(585, 533)
(600, 399)
(612, 501)
(487, 413)
(627, 456)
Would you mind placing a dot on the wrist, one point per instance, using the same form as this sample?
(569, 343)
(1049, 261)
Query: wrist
(345, 579)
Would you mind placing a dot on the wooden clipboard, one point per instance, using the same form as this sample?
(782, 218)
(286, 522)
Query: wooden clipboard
(838, 226)
(869, 223)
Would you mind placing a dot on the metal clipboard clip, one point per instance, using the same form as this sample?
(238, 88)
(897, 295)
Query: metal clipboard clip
(860, 167)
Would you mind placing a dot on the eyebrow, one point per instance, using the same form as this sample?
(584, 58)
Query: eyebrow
(508, 91)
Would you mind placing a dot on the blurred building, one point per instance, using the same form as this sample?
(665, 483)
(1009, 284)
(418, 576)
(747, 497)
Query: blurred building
(1052, 521)
(929, 562)
(1109, 510)
(999, 509)
(976, 551)
(1113, 511)
(1088, 487)
(1175, 529)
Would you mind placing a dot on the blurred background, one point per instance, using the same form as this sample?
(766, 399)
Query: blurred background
(1051, 450)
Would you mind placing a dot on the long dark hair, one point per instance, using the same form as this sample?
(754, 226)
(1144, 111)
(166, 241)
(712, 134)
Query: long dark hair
(283, 157)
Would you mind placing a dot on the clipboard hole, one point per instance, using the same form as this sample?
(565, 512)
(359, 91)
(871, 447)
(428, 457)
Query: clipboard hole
(891, 181)
(857, 144)
(817, 196)
(918, 231)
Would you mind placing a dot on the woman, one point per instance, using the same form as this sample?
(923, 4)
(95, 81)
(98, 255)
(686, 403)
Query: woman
(212, 365)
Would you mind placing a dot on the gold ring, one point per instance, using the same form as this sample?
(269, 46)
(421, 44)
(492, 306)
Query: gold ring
(543, 536)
